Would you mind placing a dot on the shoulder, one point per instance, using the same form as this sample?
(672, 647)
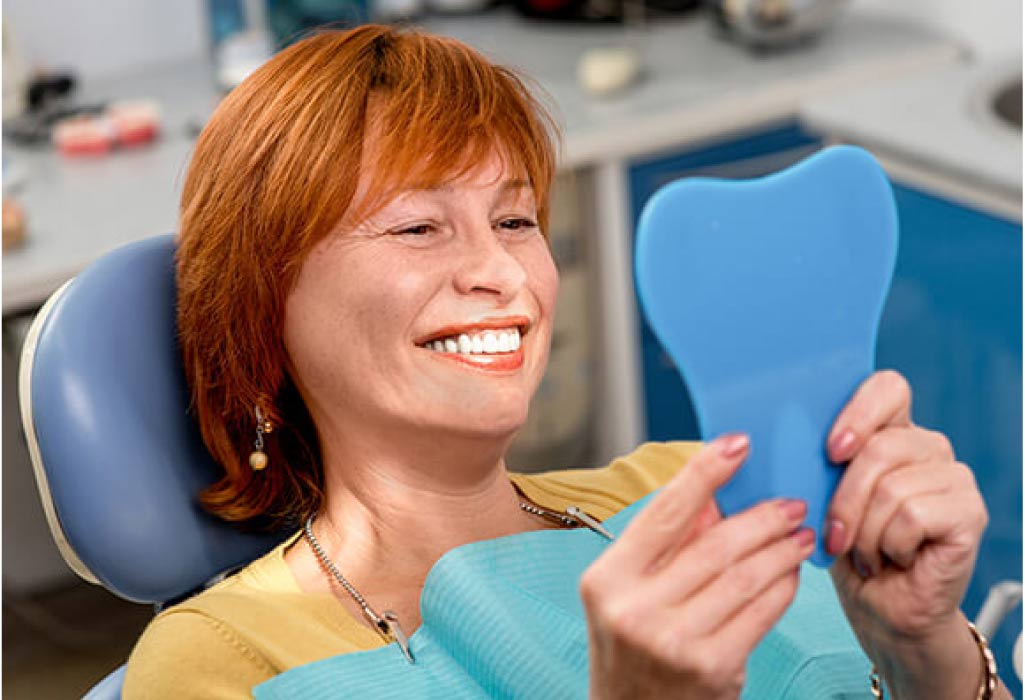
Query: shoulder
(186, 653)
(242, 631)
(610, 488)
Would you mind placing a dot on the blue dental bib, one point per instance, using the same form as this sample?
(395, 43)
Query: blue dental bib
(502, 619)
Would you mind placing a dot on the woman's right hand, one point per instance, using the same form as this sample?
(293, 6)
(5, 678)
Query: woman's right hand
(680, 599)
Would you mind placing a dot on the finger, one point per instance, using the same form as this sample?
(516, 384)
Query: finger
(736, 587)
(886, 450)
(956, 517)
(665, 521)
(724, 544)
(749, 626)
(883, 399)
(890, 494)
(728, 648)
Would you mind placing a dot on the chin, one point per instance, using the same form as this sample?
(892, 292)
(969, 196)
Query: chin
(499, 422)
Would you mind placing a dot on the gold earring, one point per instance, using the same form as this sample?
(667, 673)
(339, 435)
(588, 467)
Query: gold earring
(258, 458)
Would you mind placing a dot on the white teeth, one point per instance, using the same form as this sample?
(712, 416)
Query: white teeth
(481, 343)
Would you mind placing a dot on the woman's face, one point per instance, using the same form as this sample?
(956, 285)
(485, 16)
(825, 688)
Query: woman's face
(435, 313)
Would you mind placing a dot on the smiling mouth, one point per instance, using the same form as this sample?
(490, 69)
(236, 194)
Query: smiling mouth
(486, 348)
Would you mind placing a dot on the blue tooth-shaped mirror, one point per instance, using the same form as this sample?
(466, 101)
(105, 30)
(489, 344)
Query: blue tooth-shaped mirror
(767, 294)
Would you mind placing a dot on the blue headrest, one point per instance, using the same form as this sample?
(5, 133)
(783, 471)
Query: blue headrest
(119, 461)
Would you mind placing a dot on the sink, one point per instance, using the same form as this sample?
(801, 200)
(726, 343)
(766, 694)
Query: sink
(1007, 103)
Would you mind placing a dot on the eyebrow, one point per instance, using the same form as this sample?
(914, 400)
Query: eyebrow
(506, 186)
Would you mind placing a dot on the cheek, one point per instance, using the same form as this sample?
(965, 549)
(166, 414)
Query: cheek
(544, 280)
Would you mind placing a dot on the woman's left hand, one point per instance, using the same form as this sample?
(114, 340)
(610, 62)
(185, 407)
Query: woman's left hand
(905, 525)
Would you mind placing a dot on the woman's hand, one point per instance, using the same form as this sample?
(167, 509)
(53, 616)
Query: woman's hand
(682, 597)
(905, 524)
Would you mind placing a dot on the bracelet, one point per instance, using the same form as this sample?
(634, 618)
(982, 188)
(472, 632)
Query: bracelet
(989, 665)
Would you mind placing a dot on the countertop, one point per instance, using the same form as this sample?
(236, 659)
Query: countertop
(937, 119)
(696, 86)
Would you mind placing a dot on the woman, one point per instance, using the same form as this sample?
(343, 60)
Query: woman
(366, 293)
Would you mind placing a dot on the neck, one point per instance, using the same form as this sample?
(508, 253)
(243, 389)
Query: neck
(392, 508)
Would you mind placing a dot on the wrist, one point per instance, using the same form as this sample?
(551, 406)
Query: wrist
(949, 664)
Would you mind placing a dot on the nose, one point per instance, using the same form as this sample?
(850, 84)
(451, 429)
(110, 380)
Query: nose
(487, 267)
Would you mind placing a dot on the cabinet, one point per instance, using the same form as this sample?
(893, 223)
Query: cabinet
(952, 325)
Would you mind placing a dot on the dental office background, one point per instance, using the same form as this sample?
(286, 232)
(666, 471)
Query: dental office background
(929, 86)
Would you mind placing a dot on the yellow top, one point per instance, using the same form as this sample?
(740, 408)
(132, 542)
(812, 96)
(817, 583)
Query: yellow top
(259, 623)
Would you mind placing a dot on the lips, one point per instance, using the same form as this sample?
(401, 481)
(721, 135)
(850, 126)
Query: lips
(491, 344)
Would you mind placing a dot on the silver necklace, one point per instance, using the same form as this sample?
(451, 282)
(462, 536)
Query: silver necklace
(387, 623)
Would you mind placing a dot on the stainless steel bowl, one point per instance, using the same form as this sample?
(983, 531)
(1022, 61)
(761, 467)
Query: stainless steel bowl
(775, 23)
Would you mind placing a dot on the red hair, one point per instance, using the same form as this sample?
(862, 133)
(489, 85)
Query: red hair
(274, 171)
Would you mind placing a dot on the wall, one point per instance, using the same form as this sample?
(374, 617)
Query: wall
(102, 38)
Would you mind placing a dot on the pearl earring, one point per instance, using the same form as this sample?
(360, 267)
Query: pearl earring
(258, 458)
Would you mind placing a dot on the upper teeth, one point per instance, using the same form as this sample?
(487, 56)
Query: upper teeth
(481, 343)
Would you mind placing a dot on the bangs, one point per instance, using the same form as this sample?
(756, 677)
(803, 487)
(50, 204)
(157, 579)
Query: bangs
(438, 110)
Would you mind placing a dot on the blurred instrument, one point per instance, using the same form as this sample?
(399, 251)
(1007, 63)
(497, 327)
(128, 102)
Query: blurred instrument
(766, 24)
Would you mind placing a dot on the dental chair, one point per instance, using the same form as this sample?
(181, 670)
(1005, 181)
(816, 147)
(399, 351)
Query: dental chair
(118, 460)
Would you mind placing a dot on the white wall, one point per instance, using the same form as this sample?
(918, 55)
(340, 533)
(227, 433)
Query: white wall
(108, 36)
(992, 28)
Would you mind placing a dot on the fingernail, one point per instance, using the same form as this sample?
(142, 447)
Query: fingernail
(840, 445)
(805, 537)
(835, 536)
(861, 566)
(794, 509)
(733, 445)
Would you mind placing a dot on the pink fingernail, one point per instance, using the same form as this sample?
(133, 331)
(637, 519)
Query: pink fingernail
(840, 445)
(835, 536)
(861, 566)
(805, 537)
(794, 510)
(731, 446)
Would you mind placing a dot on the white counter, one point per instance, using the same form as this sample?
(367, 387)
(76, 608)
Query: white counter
(935, 127)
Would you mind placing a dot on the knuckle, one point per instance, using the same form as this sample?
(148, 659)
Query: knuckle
(590, 587)
(895, 382)
(912, 513)
(624, 622)
(745, 582)
(942, 442)
(888, 490)
(878, 449)
(966, 475)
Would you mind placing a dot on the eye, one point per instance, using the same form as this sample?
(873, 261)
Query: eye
(414, 230)
(518, 224)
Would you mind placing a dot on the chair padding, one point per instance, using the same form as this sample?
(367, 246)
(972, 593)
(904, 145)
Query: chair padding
(116, 450)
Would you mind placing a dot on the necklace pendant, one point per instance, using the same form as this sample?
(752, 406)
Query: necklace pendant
(395, 629)
(590, 522)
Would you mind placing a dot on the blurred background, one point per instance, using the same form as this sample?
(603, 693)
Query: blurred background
(102, 103)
